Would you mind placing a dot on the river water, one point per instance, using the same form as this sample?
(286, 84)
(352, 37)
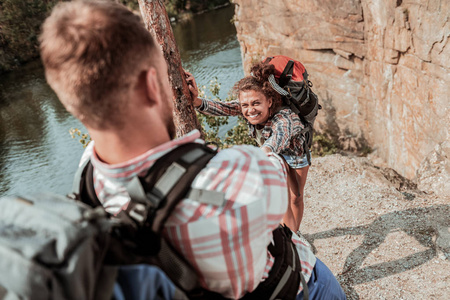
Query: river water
(37, 152)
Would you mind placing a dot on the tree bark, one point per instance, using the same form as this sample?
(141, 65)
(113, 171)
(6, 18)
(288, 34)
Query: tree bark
(157, 22)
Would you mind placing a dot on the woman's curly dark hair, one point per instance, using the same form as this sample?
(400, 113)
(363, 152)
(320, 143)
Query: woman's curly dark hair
(259, 82)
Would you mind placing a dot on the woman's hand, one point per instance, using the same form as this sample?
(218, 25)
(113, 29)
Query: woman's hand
(266, 150)
(193, 88)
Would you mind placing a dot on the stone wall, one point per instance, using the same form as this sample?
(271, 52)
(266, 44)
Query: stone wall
(381, 68)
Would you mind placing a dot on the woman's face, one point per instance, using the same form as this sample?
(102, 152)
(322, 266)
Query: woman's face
(255, 106)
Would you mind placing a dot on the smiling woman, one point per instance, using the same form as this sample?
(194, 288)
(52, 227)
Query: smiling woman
(275, 128)
(255, 107)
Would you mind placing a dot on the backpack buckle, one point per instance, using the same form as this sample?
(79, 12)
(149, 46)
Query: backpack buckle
(138, 213)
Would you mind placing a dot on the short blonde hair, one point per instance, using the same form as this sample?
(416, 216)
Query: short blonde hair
(93, 53)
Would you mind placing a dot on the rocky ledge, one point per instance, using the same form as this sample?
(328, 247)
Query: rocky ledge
(379, 234)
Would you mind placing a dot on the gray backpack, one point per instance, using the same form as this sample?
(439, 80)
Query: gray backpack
(52, 247)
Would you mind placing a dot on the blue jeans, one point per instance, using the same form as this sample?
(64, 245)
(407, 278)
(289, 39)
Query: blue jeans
(145, 282)
(323, 284)
(142, 282)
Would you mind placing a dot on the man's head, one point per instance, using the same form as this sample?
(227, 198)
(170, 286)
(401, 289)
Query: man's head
(95, 55)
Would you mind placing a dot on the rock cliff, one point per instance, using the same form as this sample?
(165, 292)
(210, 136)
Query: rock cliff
(381, 69)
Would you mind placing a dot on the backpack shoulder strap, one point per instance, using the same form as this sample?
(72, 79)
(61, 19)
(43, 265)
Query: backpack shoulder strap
(286, 75)
(167, 182)
(83, 185)
(285, 275)
(155, 195)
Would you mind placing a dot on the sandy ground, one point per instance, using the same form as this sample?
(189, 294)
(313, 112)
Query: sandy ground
(380, 236)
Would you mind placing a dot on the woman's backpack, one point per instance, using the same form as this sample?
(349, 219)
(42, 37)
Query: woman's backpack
(291, 81)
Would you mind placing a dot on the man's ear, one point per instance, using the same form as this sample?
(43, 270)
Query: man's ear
(152, 86)
(270, 102)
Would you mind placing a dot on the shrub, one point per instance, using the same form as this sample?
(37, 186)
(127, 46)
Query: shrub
(20, 22)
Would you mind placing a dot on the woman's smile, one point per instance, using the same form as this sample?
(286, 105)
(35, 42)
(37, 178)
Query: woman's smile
(255, 106)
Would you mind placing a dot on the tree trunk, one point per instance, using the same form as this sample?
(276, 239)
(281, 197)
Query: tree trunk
(157, 22)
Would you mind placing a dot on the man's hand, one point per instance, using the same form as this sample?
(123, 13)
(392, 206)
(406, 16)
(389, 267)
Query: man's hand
(193, 88)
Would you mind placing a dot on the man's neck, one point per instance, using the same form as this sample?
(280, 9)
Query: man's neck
(114, 147)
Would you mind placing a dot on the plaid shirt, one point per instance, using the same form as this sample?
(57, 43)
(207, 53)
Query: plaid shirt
(227, 245)
(282, 132)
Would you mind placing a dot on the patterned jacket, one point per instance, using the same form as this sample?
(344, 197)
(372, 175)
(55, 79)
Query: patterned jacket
(282, 132)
